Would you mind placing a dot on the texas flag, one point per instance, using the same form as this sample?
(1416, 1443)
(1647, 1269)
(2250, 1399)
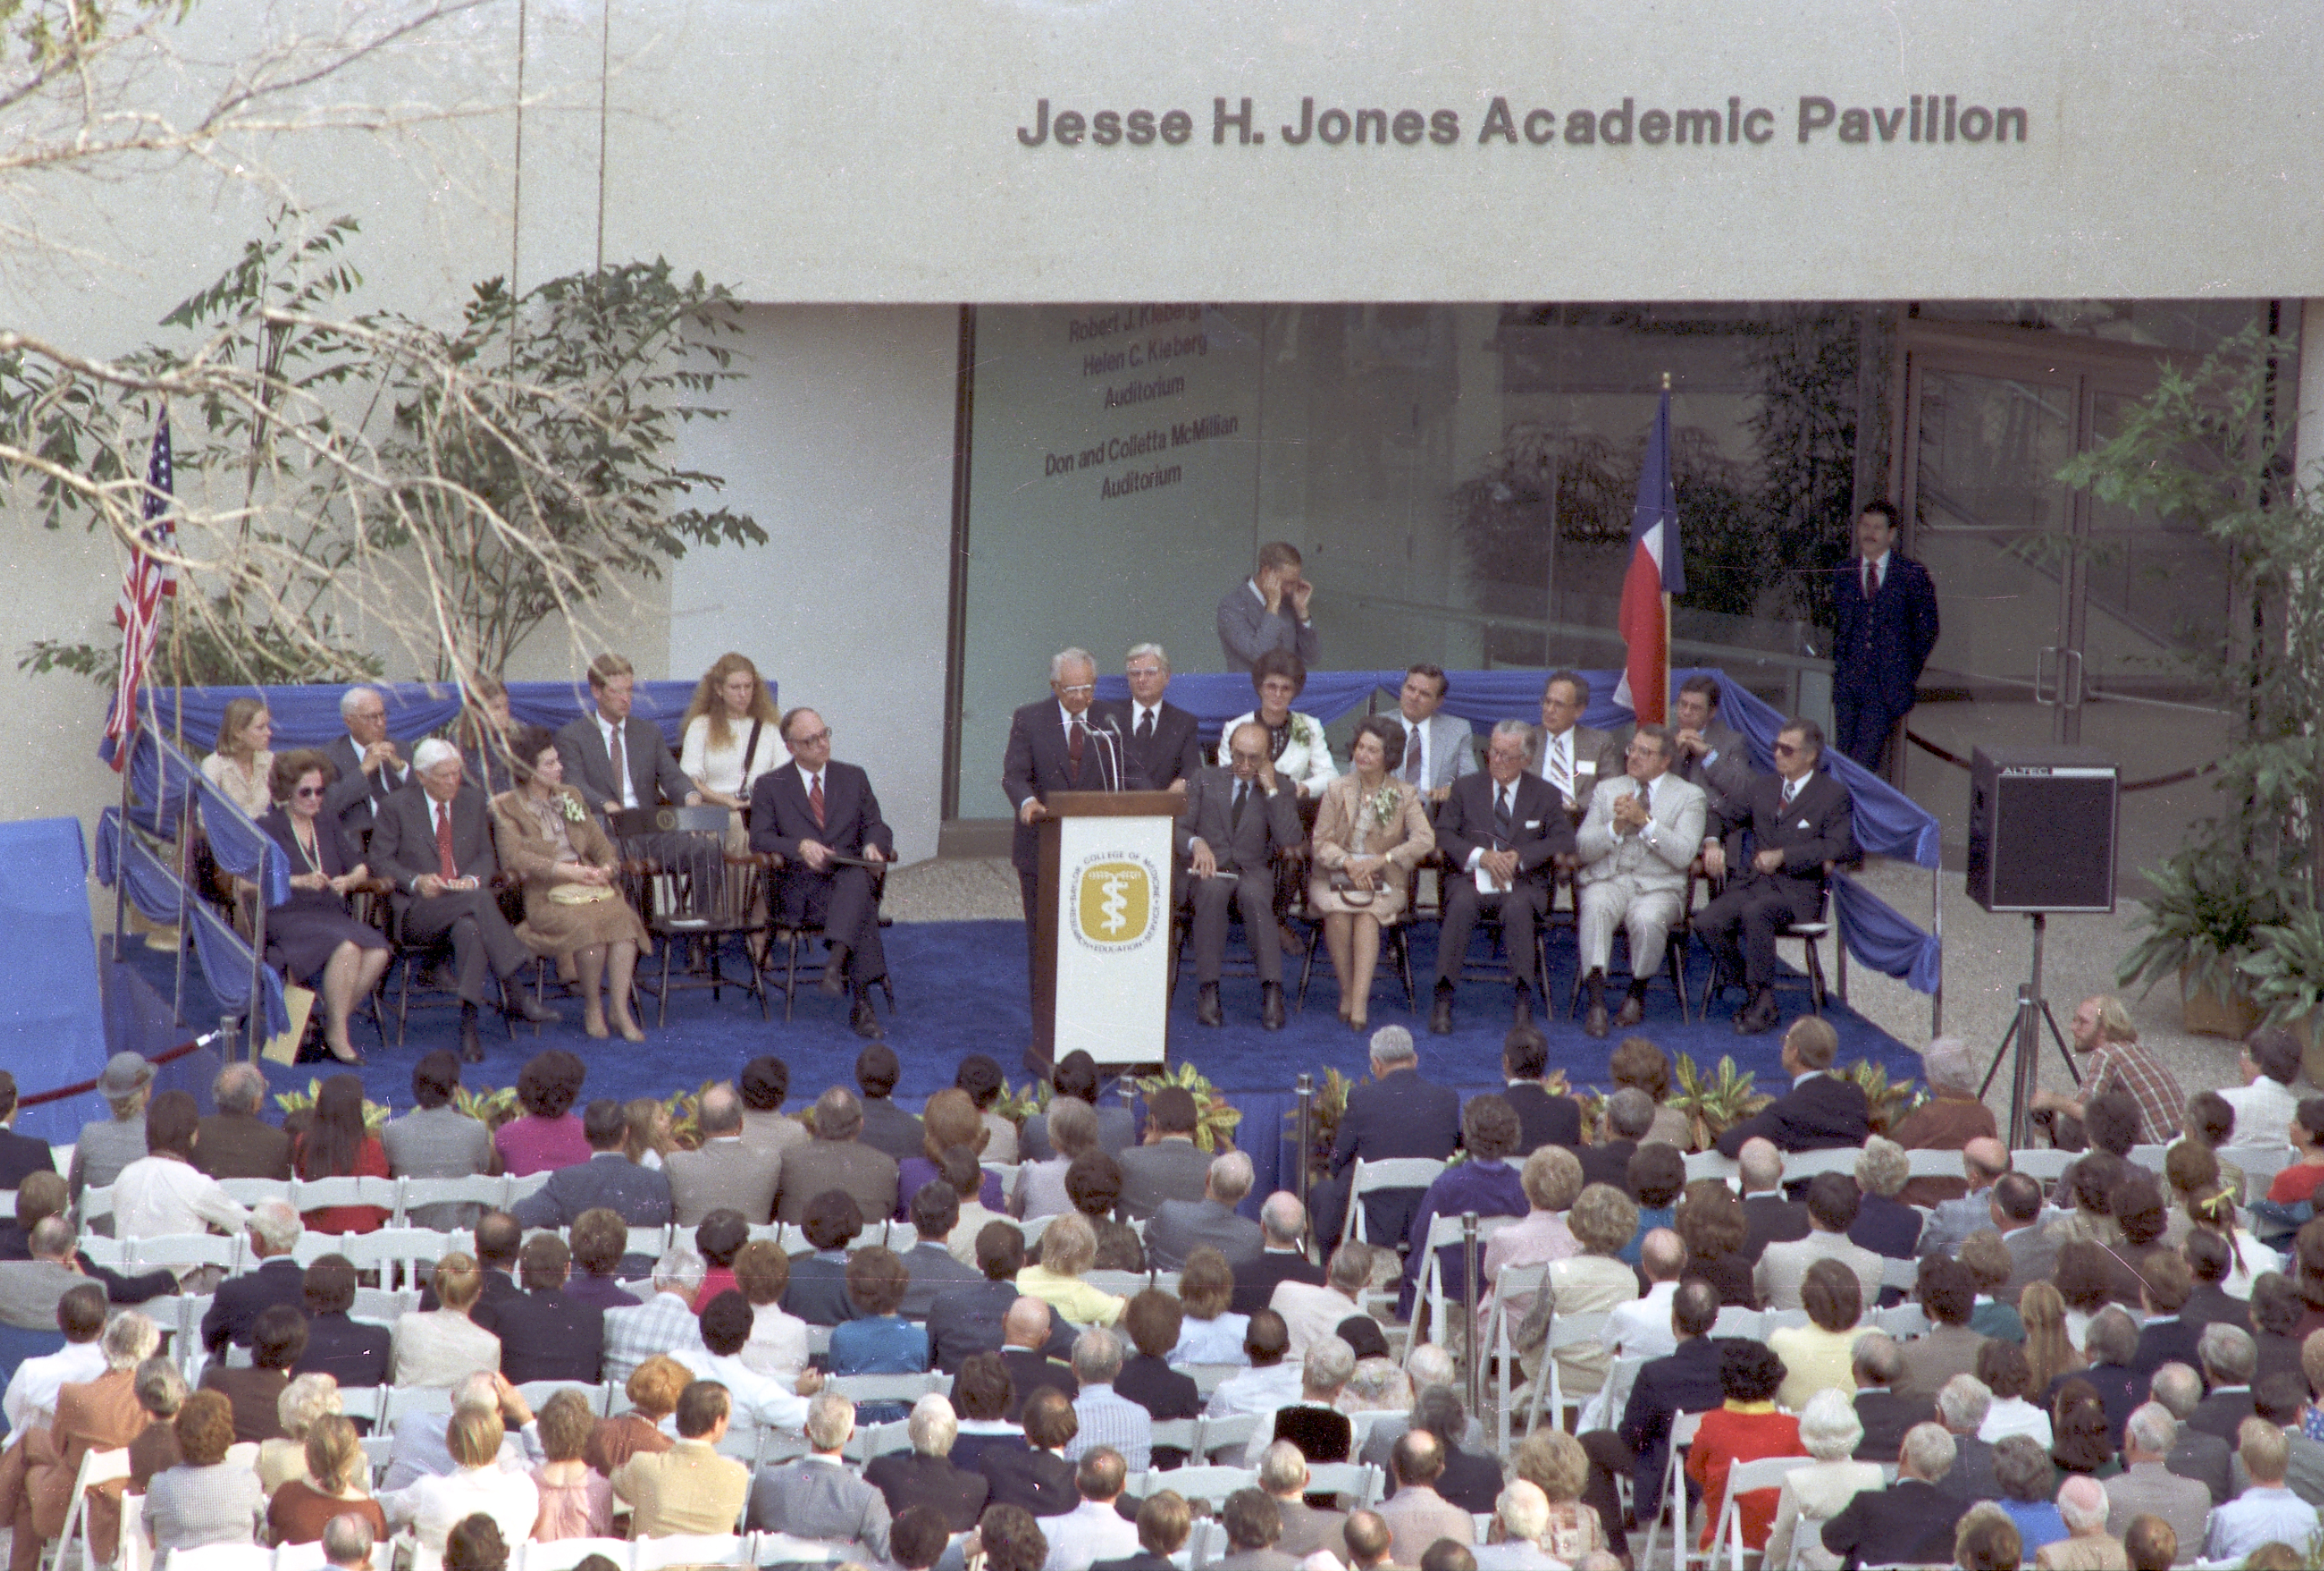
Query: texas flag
(1657, 569)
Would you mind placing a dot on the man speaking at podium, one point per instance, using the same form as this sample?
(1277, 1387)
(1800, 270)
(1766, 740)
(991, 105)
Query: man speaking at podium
(1058, 745)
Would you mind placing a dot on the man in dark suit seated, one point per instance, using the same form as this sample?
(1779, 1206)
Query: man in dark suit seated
(619, 762)
(1237, 821)
(1543, 1118)
(1772, 1218)
(21, 1155)
(274, 1230)
(1179, 1229)
(2195, 1454)
(1876, 1363)
(1821, 1111)
(886, 1127)
(237, 1142)
(1501, 834)
(1884, 1224)
(1037, 1477)
(1153, 1322)
(1629, 1114)
(822, 818)
(353, 1354)
(2229, 1357)
(925, 1477)
(1024, 1353)
(1282, 1254)
(434, 844)
(609, 1178)
(1396, 1115)
(1686, 1381)
(964, 1321)
(1161, 738)
(1910, 1522)
(817, 1294)
(371, 766)
(1800, 824)
(931, 1266)
(1169, 1165)
(547, 1335)
(2167, 1337)
(1469, 1477)
(498, 1238)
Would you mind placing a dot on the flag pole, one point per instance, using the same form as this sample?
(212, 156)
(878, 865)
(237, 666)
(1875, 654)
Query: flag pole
(1670, 543)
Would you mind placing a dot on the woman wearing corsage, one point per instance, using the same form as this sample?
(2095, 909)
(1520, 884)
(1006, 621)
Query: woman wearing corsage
(572, 905)
(1294, 741)
(1370, 833)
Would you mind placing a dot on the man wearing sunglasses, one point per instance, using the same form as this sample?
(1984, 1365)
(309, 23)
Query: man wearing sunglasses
(1799, 827)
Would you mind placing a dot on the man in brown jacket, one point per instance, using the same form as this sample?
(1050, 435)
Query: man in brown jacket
(37, 1476)
(1954, 1116)
(836, 1160)
(237, 1142)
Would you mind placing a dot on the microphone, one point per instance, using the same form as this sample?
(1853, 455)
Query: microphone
(1113, 730)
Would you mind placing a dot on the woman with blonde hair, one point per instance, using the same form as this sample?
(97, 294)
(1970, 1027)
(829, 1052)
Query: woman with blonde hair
(1554, 1462)
(1550, 1178)
(241, 765)
(308, 1397)
(653, 1133)
(1829, 1431)
(1370, 831)
(441, 1347)
(1068, 1248)
(335, 1484)
(733, 732)
(2049, 1351)
(1603, 1221)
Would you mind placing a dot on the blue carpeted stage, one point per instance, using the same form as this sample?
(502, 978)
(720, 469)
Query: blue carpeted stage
(961, 988)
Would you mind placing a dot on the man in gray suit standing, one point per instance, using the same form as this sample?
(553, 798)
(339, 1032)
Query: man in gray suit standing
(819, 1496)
(1169, 1166)
(1269, 611)
(1636, 846)
(1237, 821)
(1437, 748)
(727, 1174)
(1181, 1227)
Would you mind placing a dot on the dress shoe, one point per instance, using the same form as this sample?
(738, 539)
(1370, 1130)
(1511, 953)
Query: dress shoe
(1595, 1023)
(472, 1047)
(1270, 1005)
(1634, 1010)
(1207, 1006)
(524, 1007)
(1440, 1015)
(832, 983)
(865, 1020)
(1761, 1015)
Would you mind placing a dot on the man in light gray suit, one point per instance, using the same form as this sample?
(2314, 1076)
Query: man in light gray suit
(1282, 1474)
(2017, 1212)
(819, 1496)
(1783, 1268)
(727, 1173)
(1237, 821)
(30, 1289)
(1709, 753)
(1269, 611)
(1984, 1161)
(1179, 1227)
(2145, 1486)
(1640, 836)
(1436, 746)
(1169, 1166)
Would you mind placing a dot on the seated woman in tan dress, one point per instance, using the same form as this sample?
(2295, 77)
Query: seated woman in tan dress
(572, 905)
(1370, 833)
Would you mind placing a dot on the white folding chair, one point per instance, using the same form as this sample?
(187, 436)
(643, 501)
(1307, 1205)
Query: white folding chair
(906, 1389)
(1904, 1320)
(2043, 1166)
(691, 1549)
(531, 1183)
(649, 1242)
(112, 1253)
(1710, 1164)
(1444, 1232)
(564, 1554)
(401, 1251)
(1231, 1435)
(1776, 1320)
(537, 1393)
(1206, 1542)
(96, 1204)
(136, 1554)
(249, 1191)
(1744, 1478)
(222, 1557)
(1802, 1165)
(97, 1468)
(1673, 1491)
(1370, 1178)
(2260, 1164)
(1359, 1482)
(783, 1549)
(301, 1557)
(1032, 1229)
(315, 1194)
(1564, 1331)
(1936, 1164)
(180, 1251)
(1176, 1434)
(1523, 1283)
(1904, 1275)
(363, 1401)
(1120, 1283)
(818, 1339)
(877, 1440)
(475, 1190)
(381, 1306)
(1209, 1377)
(1205, 1483)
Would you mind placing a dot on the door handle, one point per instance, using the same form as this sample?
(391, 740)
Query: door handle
(2075, 656)
(2041, 668)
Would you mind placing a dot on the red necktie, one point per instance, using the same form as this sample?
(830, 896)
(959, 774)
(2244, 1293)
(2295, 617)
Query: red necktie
(1871, 579)
(814, 800)
(444, 862)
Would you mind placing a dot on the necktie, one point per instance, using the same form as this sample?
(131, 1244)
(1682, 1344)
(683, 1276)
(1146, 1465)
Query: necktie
(444, 862)
(1560, 772)
(1242, 796)
(815, 799)
(1146, 726)
(1411, 761)
(1503, 819)
(1791, 789)
(1073, 746)
(1871, 579)
(620, 750)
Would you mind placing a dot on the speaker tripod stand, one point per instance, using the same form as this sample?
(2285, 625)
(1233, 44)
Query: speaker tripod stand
(2021, 1044)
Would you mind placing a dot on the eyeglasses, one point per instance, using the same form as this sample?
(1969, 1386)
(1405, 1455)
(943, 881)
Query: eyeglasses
(304, 792)
(1785, 749)
(812, 738)
(1080, 687)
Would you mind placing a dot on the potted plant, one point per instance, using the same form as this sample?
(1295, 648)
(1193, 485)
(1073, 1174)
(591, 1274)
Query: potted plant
(1890, 1100)
(2286, 975)
(2205, 917)
(1715, 1102)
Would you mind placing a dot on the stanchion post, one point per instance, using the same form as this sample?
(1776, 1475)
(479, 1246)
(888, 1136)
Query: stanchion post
(1306, 1100)
(258, 953)
(1466, 1307)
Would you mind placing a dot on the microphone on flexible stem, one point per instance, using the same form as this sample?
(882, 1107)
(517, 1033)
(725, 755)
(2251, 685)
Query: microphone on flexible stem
(1113, 730)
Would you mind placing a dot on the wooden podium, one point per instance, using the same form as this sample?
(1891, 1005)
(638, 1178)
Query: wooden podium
(1102, 947)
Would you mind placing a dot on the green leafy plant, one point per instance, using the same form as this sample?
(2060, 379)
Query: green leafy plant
(2206, 912)
(375, 1114)
(1715, 1102)
(487, 1105)
(1890, 1100)
(2286, 972)
(685, 1110)
(1017, 1106)
(1214, 1121)
(1324, 1111)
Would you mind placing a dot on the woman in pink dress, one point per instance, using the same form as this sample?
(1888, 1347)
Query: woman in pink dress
(548, 1136)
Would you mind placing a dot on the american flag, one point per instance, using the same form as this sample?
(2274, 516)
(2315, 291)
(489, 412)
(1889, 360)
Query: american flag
(149, 580)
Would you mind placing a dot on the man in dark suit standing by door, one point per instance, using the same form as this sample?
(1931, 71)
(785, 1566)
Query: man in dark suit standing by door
(1505, 827)
(433, 844)
(1801, 825)
(1159, 738)
(808, 813)
(1055, 745)
(370, 765)
(1237, 821)
(639, 772)
(1883, 625)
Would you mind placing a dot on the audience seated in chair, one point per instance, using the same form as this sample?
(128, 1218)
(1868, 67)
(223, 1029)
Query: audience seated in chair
(758, 1402)
(350, 1352)
(1035, 1476)
(836, 1159)
(92, 1407)
(607, 1178)
(206, 1499)
(925, 1477)
(336, 1482)
(819, 1496)
(436, 1140)
(442, 1347)
(1179, 1228)
(235, 1142)
(277, 1342)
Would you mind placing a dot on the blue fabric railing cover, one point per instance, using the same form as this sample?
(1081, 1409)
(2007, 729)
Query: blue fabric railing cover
(307, 716)
(1887, 823)
(162, 897)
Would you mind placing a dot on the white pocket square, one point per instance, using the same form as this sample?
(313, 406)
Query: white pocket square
(1803, 824)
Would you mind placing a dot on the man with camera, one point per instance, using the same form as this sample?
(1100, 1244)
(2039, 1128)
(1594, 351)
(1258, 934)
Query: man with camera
(1269, 611)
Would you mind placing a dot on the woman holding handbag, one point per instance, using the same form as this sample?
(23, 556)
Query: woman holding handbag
(1370, 833)
(572, 904)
